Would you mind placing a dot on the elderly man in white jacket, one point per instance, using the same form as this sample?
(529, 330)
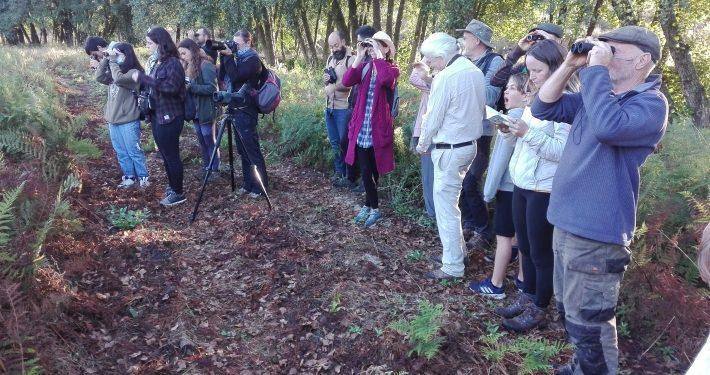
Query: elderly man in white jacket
(452, 123)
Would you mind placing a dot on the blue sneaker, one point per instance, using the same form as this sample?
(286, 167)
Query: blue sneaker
(362, 215)
(519, 284)
(487, 289)
(373, 218)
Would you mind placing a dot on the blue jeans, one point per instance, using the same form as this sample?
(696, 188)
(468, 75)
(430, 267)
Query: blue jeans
(126, 139)
(336, 124)
(206, 139)
(428, 184)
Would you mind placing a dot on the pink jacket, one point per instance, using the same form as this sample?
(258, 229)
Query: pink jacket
(382, 130)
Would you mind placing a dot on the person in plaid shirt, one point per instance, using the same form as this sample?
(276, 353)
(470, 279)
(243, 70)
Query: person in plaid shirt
(166, 83)
(370, 133)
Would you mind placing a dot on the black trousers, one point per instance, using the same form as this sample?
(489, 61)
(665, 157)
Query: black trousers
(167, 137)
(247, 141)
(474, 213)
(370, 177)
(534, 235)
(352, 171)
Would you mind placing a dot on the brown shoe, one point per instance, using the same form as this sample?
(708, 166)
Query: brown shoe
(477, 242)
(532, 317)
(516, 308)
(439, 275)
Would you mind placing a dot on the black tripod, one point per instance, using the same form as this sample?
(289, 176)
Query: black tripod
(226, 122)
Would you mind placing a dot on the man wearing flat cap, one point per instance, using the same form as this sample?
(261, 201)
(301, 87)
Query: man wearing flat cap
(618, 118)
(478, 48)
(543, 30)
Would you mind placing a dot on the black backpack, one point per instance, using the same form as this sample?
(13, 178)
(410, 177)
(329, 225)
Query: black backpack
(484, 64)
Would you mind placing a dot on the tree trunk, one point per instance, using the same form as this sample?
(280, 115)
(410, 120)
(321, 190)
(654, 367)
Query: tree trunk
(390, 14)
(43, 31)
(418, 31)
(318, 14)
(398, 23)
(352, 19)
(298, 33)
(177, 34)
(376, 15)
(693, 91)
(307, 31)
(20, 35)
(659, 70)
(268, 37)
(340, 23)
(328, 30)
(595, 15)
(33, 34)
(625, 12)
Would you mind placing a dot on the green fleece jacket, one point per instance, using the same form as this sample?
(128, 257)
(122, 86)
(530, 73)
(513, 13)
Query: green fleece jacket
(121, 105)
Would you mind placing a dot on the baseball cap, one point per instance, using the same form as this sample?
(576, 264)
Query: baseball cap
(641, 37)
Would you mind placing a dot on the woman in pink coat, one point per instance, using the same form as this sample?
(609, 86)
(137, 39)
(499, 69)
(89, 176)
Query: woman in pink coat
(370, 132)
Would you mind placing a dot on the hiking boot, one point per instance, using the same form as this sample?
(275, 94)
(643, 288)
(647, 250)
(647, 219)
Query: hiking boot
(143, 182)
(373, 218)
(467, 233)
(255, 195)
(516, 308)
(566, 369)
(126, 182)
(477, 242)
(439, 275)
(532, 317)
(173, 199)
(363, 215)
(487, 289)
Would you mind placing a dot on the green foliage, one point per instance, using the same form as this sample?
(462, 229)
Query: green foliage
(423, 330)
(532, 354)
(125, 219)
(415, 256)
(84, 149)
(355, 329)
(335, 304)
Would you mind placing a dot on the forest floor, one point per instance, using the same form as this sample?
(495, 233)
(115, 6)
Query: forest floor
(299, 289)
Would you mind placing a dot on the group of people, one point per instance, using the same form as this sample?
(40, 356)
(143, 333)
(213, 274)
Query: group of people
(177, 85)
(570, 132)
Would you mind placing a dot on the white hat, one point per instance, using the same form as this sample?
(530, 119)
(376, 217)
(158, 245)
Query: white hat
(383, 37)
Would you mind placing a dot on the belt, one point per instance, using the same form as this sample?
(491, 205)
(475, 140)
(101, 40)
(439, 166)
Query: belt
(450, 146)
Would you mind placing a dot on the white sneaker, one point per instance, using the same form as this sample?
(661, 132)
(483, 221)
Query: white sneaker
(143, 182)
(126, 182)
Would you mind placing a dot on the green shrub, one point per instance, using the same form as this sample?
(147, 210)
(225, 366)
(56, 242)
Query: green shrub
(423, 330)
(84, 149)
(125, 219)
(532, 354)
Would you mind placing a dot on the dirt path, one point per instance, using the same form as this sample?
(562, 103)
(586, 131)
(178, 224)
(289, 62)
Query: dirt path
(300, 289)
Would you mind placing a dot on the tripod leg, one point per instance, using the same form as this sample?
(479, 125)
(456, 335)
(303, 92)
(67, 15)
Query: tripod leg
(255, 171)
(209, 170)
(231, 155)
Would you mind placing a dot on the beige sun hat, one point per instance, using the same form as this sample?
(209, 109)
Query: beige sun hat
(383, 37)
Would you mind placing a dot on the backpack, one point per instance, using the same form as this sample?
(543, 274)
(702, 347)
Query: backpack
(392, 95)
(268, 96)
(484, 64)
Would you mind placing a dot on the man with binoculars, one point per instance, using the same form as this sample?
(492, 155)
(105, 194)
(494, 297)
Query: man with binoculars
(618, 118)
(338, 107)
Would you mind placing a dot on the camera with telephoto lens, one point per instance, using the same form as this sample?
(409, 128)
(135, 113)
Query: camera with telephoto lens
(330, 71)
(216, 45)
(583, 48)
(534, 37)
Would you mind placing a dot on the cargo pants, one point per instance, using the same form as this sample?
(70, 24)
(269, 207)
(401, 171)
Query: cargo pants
(587, 278)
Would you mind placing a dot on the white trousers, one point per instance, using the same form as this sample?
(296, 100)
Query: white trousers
(450, 167)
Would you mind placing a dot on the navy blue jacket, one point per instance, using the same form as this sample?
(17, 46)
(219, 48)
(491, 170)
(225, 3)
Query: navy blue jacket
(596, 186)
